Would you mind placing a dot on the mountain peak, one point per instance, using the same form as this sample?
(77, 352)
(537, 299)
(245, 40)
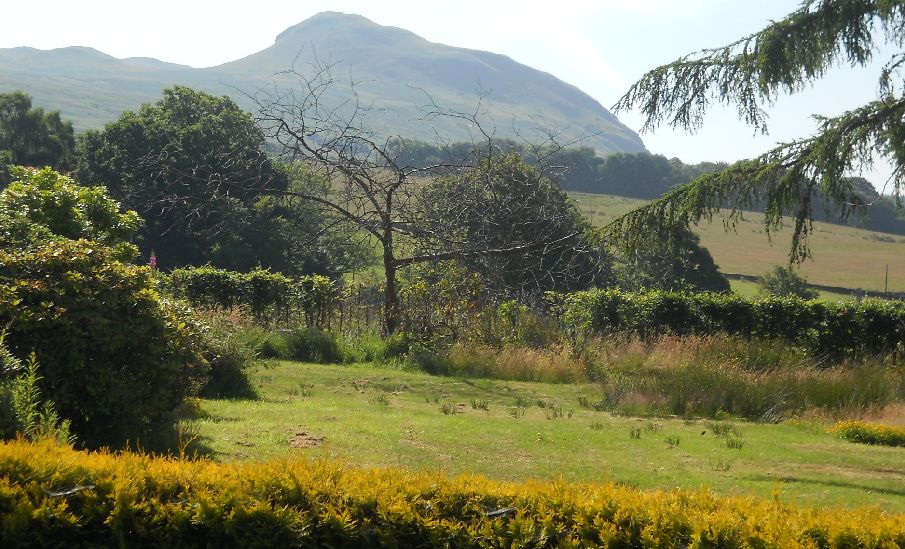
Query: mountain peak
(334, 25)
(324, 21)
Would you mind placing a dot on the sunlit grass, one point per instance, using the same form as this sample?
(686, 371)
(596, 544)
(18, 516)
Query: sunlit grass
(386, 417)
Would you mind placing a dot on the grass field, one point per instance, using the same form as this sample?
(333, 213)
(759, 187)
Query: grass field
(842, 256)
(512, 431)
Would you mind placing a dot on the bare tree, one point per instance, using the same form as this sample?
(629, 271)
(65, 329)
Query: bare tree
(384, 200)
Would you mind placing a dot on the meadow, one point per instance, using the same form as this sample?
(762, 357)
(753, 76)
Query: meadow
(513, 431)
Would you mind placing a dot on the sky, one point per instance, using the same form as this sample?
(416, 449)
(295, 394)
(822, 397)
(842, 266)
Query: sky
(601, 46)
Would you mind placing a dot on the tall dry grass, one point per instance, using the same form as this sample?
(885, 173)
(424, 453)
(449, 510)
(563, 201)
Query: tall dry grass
(695, 376)
(765, 381)
(554, 364)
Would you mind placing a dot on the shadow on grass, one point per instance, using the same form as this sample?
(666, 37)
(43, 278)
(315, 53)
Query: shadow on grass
(834, 483)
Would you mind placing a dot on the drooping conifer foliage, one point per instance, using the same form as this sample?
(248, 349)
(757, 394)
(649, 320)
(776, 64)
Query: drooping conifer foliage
(750, 73)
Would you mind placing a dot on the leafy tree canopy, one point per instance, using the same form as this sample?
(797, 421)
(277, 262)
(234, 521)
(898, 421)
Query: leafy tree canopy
(42, 205)
(502, 203)
(29, 136)
(784, 57)
(193, 166)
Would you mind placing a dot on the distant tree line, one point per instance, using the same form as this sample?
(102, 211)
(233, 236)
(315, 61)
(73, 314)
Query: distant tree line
(646, 176)
(209, 191)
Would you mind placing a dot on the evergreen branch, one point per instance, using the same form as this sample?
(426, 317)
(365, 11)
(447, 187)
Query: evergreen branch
(785, 56)
(785, 178)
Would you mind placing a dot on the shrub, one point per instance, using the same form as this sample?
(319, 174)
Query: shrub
(102, 499)
(866, 433)
(230, 352)
(266, 295)
(42, 205)
(313, 345)
(364, 347)
(114, 357)
(271, 344)
(784, 282)
(230, 360)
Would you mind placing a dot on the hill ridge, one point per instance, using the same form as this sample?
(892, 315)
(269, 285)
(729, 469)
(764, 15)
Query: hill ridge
(91, 87)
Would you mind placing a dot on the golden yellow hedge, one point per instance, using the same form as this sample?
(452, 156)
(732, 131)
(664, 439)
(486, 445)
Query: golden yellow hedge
(52, 495)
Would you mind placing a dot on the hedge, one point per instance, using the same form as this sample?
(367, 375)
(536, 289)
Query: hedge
(263, 293)
(836, 329)
(55, 496)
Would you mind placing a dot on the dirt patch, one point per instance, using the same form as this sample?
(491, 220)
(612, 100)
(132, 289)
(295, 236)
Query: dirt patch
(304, 439)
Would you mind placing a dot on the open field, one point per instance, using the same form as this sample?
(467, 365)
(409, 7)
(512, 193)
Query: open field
(513, 431)
(842, 256)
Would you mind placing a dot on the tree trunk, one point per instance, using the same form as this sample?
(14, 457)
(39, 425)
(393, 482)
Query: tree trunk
(390, 295)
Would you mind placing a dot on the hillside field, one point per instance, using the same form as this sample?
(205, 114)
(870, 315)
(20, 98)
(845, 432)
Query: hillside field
(841, 256)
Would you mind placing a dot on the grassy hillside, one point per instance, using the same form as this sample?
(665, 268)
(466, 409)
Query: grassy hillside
(513, 431)
(842, 256)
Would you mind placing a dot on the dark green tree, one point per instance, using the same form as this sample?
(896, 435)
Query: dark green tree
(502, 203)
(185, 164)
(784, 57)
(194, 167)
(32, 137)
(679, 264)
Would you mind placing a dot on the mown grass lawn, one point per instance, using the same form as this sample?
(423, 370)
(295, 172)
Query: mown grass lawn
(369, 416)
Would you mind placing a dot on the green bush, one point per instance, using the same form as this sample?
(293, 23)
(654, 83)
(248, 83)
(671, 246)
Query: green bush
(784, 282)
(230, 359)
(114, 357)
(272, 345)
(398, 344)
(42, 205)
(364, 347)
(313, 345)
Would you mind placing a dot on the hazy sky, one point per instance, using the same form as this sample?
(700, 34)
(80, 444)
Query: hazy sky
(600, 46)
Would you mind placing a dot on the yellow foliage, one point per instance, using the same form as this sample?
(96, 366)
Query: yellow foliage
(52, 495)
(870, 433)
